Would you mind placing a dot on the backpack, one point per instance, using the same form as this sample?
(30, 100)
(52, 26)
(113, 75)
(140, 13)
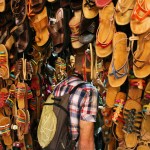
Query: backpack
(53, 132)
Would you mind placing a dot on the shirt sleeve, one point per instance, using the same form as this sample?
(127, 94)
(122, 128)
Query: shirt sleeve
(89, 106)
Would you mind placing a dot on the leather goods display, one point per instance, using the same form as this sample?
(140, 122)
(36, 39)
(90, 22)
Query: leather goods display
(44, 41)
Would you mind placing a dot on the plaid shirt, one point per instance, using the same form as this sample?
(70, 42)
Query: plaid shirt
(82, 103)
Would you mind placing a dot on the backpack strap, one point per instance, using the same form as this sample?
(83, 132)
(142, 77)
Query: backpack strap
(75, 88)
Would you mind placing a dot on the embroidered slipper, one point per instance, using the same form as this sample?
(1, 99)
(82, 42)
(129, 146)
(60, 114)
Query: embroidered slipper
(102, 3)
(105, 31)
(39, 22)
(140, 19)
(89, 9)
(111, 94)
(119, 67)
(124, 10)
(133, 118)
(21, 123)
(136, 87)
(2, 5)
(141, 61)
(21, 93)
(4, 67)
(74, 26)
(5, 123)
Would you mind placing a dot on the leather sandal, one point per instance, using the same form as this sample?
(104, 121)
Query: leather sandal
(74, 24)
(105, 31)
(2, 6)
(39, 22)
(56, 30)
(111, 94)
(4, 67)
(21, 94)
(140, 19)
(21, 123)
(35, 7)
(136, 87)
(5, 124)
(119, 103)
(124, 10)
(19, 10)
(119, 67)
(107, 116)
(141, 62)
(3, 97)
(102, 3)
(87, 29)
(89, 9)
(133, 118)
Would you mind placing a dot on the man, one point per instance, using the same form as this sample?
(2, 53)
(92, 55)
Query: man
(82, 106)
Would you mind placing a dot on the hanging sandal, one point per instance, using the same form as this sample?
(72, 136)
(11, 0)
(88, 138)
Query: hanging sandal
(105, 31)
(3, 97)
(141, 61)
(21, 123)
(133, 118)
(74, 25)
(143, 145)
(4, 66)
(89, 9)
(39, 22)
(136, 87)
(5, 129)
(111, 94)
(119, 67)
(119, 103)
(19, 10)
(140, 19)
(21, 94)
(124, 10)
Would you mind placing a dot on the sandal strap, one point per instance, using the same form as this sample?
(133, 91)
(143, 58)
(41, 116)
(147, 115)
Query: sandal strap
(138, 9)
(89, 3)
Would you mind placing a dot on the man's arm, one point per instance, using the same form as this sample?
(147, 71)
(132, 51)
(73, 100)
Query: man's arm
(86, 139)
